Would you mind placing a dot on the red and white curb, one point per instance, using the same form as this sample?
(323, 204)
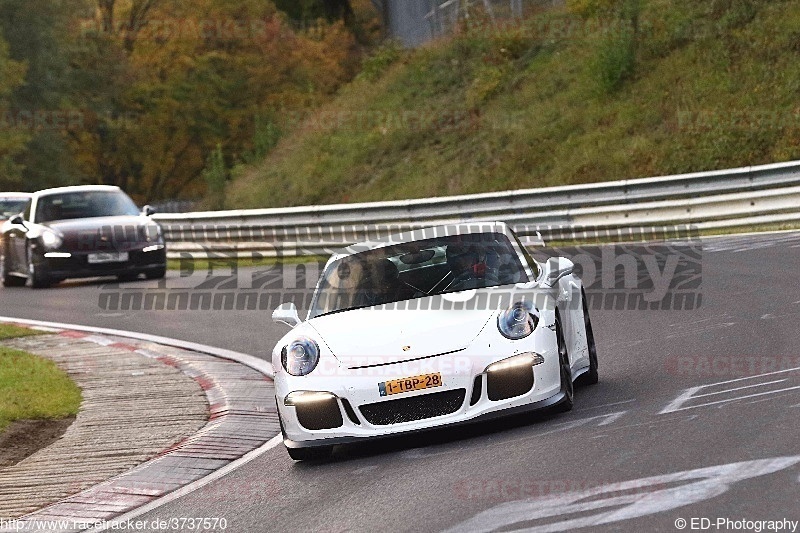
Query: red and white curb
(243, 425)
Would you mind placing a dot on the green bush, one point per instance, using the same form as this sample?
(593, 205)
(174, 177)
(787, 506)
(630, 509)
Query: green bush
(215, 176)
(487, 81)
(615, 60)
(733, 13)
(384, 57)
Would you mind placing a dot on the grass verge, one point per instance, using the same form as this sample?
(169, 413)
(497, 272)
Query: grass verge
(33, 388)
(8, 331)
(568, 96)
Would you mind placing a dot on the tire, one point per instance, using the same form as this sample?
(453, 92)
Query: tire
(591, 377)
(8, 279)
(38, 274)
(567, 387)
(157, 273)
(318, 453)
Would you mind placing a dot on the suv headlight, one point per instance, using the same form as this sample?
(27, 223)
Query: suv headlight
(152, 232)
(300, 357)
(51, 239)
(518, 321)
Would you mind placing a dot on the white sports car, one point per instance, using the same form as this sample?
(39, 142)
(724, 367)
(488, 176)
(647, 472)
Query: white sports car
(427, 329)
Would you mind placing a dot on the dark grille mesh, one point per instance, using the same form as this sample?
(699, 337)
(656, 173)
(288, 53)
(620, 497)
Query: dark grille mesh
(414, 408)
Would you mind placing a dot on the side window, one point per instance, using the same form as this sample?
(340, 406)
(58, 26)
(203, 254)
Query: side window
(27, 213)
(531, 263)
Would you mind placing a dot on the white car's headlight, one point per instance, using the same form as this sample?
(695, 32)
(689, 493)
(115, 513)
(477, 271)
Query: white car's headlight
(518, 321)
(51, 239)
(300, 357)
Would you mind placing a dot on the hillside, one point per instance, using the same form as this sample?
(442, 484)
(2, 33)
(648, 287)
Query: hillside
(569, 96)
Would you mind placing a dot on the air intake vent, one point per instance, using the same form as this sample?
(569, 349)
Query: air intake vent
(414, 408)
(477, 390)
(350, 413)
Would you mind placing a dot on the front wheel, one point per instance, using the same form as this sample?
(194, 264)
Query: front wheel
(567, 386)
(37, 273)
(8, 279)
(591, 376)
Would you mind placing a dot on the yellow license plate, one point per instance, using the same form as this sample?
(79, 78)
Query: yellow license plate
(398, 386)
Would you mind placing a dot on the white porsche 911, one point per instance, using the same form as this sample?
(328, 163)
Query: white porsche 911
(427, 329)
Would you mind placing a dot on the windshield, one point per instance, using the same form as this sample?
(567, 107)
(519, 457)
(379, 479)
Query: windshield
(84, 204)
(418, 269)
(12, 206)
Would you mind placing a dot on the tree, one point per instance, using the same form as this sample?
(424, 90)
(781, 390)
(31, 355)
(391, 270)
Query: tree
(37, 32)
(159, 86)
(12, 140)
(216, 176)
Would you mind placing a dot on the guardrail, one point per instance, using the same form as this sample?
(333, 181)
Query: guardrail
(748, 197)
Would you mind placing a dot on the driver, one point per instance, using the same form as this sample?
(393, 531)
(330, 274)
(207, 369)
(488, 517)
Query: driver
(466, 261)
(385, 284)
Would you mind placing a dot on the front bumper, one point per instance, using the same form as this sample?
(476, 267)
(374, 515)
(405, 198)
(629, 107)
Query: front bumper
(491, 415)
(77, 264)
(348, 407)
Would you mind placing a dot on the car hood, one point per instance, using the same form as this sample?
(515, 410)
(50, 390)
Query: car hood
(66, 227)
(103, 234)
(384, 336)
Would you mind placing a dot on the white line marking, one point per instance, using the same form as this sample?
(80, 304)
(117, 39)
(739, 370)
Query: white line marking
(47, 330)
(752, 377)
(680, 400)
(738, 388)
(733, 399)
(616, 502)
(607, 405)
(759, 401)
(564, 426)
(651, 423)
(248, 360)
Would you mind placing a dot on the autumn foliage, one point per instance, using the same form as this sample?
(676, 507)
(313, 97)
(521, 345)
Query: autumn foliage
(161, 85)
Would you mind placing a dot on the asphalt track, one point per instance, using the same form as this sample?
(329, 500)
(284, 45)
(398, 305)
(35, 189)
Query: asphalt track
(696, 417)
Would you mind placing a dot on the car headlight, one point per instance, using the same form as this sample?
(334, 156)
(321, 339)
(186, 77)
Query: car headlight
(300, 357)
(51, 239)
(152, 232)
(522, 360)
(518, 321)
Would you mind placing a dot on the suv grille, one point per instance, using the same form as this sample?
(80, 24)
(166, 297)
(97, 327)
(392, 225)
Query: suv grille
(414, 408)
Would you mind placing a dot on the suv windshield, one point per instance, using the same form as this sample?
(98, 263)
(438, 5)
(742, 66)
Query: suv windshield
(12, 206)
(84, 204)
(417, 269)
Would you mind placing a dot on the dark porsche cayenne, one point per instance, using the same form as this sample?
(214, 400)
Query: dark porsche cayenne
(80, 232)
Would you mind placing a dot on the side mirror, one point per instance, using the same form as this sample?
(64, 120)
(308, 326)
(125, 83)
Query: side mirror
(286, 314)
(17, 220)
(556, 268)
(148, 211)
